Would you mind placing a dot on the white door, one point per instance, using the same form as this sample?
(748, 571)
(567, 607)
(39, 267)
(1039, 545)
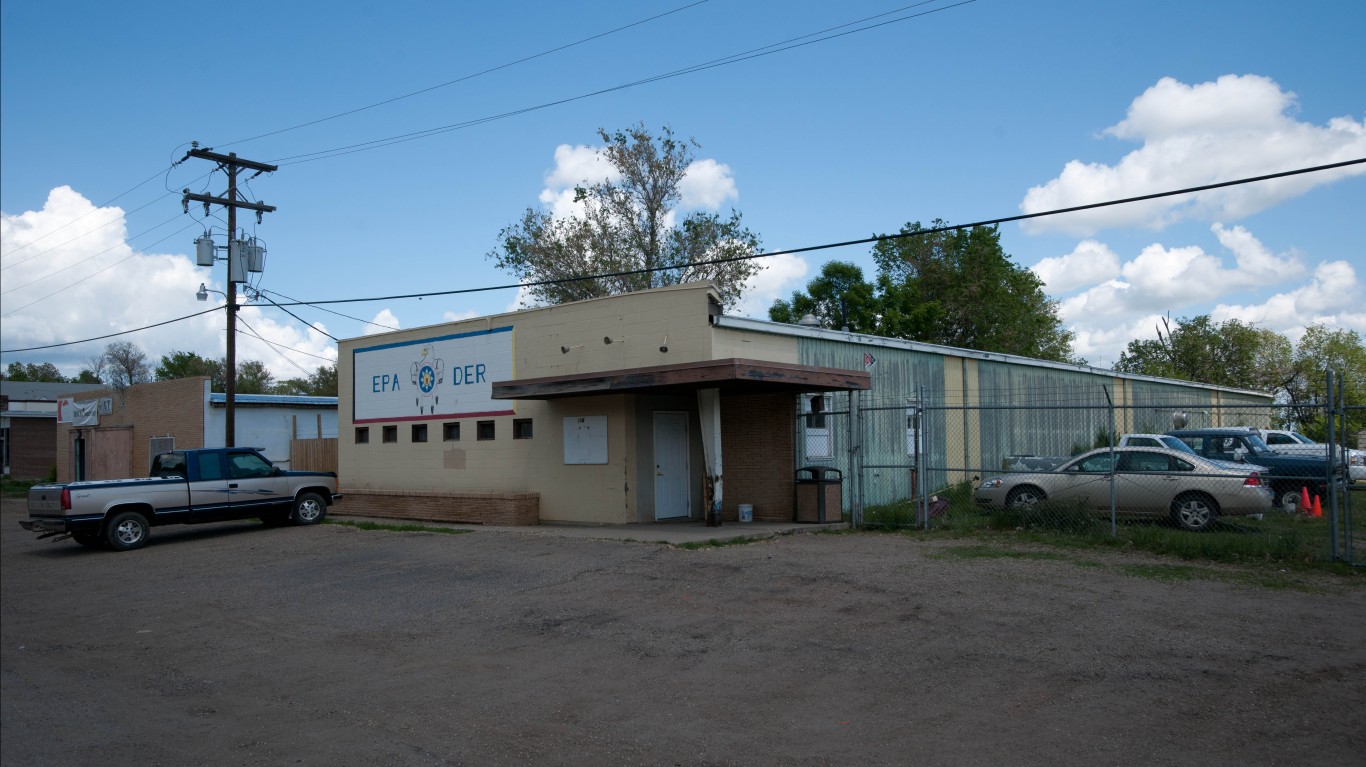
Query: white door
(671, 466)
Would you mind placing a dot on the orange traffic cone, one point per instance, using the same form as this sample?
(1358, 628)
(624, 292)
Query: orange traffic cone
(1318, 510)
(1304, 501)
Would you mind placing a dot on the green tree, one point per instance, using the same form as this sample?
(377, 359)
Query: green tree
(1318, 351)
(320, 383)
(1230, 353)
(35, 372)
(960, 288)
(626, 226)
(253, 377)
(180, 364)
(838, 298)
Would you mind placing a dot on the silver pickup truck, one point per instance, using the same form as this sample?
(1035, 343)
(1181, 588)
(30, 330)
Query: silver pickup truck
(185, 487)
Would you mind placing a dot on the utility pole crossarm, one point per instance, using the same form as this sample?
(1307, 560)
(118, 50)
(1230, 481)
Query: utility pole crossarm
(210, 199)
(231, 159)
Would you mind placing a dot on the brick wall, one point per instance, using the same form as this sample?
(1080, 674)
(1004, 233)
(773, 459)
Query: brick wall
(174, 408)
(757, 445)
(437, 506)
(30, 447)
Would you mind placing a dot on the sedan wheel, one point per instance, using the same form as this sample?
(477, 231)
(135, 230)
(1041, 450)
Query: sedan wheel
(1025, 496)
(1195, 513)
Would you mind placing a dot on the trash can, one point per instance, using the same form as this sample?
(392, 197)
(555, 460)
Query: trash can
(818, 497)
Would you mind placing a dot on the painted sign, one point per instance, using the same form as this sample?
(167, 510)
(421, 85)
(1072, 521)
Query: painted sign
(442, 377)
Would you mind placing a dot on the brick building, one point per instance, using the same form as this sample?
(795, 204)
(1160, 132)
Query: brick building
(28, 426)
(111, 434)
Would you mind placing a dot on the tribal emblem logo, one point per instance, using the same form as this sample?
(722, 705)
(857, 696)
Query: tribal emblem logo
(427, 374)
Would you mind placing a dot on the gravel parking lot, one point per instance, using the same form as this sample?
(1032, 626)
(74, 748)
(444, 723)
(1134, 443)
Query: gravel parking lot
(237, 644)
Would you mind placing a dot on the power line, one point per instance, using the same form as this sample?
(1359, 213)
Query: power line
(753, 53)
(91, 258)
(88, 212)
(111, 335)
(481, 73)
(102, 271)
(846, 243)
(808, 249)
(325, 309)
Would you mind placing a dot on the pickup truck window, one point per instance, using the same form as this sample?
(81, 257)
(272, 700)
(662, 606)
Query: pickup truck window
(169, 465)
(210, 466)
(243, 465)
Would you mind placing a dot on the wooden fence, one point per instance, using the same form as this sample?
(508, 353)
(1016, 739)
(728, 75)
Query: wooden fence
(313, 454)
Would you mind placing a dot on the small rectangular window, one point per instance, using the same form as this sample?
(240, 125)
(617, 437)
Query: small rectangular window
(390, 434)
(521, 428)
(485, 430)
(362, 435)
(419, 432)
(450, 432)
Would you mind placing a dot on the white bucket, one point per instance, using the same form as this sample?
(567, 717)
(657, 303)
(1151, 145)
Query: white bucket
(746, 512)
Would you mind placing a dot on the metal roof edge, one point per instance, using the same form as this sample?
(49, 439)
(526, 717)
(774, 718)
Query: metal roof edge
(825, 334)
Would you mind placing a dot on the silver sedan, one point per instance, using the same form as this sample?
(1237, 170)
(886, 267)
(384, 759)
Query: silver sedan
(1191, 489)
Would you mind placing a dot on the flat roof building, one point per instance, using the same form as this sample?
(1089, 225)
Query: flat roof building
(649, 406)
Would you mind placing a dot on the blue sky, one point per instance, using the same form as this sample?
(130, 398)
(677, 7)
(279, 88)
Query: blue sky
(969, 112)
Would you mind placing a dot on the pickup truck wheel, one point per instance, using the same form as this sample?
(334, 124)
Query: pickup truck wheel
(1288, 498)
(127, 531)
(309, 509)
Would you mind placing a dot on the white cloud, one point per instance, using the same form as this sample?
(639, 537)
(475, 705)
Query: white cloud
(706, 185)
(574, 166)
(1088, 263)
(70, 275)
(383, 322)
(1186, 281)
(1234, 127)
(782, 274)
(458, 316)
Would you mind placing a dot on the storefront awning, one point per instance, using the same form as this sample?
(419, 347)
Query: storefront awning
(727, 375)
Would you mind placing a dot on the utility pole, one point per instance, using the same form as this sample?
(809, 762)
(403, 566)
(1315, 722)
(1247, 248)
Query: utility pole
(236, 270)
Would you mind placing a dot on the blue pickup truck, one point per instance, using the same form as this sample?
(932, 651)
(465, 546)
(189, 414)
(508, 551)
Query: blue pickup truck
(1287, 473)
(185, 487)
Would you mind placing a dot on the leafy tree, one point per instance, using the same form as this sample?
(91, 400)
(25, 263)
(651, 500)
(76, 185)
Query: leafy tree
(1199, 349)
(1319, 351)
(627, 225)
(956, 288)
(36, 372)
(125, 365)
(321, 383)
(180, 364)
(959, 288)
(839, 298)
(253, 377)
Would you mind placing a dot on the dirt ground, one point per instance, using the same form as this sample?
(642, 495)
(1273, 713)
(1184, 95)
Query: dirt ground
(237, 644)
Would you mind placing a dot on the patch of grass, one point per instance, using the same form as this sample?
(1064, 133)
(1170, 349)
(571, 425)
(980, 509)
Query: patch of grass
(395, 528)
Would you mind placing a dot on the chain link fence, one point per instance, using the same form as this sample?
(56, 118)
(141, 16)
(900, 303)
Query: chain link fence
(1179, 476)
